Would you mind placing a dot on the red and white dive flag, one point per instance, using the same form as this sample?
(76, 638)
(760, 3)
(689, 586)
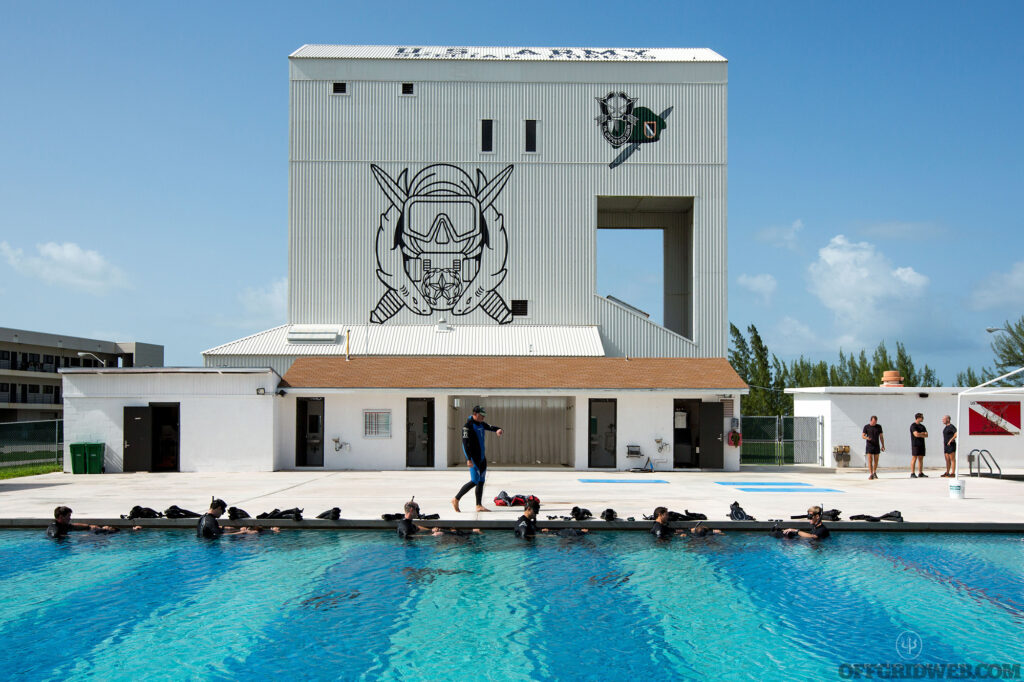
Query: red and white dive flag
(992, 418)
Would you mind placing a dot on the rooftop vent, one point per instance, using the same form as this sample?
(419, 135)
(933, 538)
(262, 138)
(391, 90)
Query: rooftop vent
(891, 379)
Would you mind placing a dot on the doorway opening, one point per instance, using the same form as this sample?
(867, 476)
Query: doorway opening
(697, 435)
(537, 430)
(309, 432)
(419, 432)
(602, 433)
(624, 227)
(152, 437)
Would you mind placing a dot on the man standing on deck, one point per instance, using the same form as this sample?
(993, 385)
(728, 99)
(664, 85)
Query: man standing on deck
(949, 446)
(473, 446)
(875, 444)
(917, 435)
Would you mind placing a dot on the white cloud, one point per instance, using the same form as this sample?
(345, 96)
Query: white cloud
(762, 285)
(1001, 290)
(866, 294)
(268, 304)
(783, 237)
(67, 265)
(790, 337)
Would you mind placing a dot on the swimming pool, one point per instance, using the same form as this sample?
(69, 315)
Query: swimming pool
(363, 605)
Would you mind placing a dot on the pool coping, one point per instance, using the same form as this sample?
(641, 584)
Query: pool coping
(507, 525)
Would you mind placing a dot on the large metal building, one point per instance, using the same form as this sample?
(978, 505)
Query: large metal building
(444, 209)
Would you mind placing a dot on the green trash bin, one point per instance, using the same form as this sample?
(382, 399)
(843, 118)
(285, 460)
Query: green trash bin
(77, 458)
(94, 458)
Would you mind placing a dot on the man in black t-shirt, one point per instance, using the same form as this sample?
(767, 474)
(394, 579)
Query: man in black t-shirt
(661, 529)
(817, 531)
(208, 528)
(407, 530)
(875, 443)
(949, 446)
(917, 435)
(62, 525)
(526, 525)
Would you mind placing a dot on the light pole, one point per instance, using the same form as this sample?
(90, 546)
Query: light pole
(84, 354)
(993, 330)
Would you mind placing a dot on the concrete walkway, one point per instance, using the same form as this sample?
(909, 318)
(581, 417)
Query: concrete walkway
(367, 495)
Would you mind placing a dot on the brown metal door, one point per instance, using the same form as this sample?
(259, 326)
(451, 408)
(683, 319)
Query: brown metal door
(712, 455)
(138, 439)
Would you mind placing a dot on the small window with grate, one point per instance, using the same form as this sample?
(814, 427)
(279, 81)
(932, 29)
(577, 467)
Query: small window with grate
(376, 423)
(407, 89)
(520, 308)
(531, 136)
(339, 88)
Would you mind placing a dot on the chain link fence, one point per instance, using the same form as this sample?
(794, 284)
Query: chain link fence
(35, 442)
(780, 440)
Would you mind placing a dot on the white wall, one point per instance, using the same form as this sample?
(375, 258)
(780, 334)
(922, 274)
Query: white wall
(845, 416)
(224, 424)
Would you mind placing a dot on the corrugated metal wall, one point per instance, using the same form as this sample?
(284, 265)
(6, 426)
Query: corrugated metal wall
(548, 205)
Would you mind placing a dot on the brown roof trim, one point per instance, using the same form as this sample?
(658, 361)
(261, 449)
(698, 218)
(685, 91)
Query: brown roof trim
(491, 372)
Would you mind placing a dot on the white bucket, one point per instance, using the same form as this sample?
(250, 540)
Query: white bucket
(956, 488)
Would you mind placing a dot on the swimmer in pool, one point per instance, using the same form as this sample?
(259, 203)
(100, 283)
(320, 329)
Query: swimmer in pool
(526, 525)
(62, 525)
(208, 528)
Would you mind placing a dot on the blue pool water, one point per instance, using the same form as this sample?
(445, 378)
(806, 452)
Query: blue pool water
(364, 605)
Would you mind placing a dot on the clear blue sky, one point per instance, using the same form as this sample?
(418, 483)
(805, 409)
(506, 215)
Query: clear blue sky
(875, 161)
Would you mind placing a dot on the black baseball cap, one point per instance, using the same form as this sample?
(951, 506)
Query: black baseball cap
(477, 409)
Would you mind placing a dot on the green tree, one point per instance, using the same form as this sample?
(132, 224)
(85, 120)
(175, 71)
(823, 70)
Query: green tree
(1008, 349)
(739, 353)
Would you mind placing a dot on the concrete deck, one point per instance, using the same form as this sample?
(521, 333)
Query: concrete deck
(367, 495)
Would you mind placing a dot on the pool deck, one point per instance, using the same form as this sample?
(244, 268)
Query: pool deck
(364, 495)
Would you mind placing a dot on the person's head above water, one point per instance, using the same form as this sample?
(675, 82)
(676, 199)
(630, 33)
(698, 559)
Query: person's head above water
(62, 514)
(217, 506)
(532, 508)
(661, 514)
(814, 514)
(412, 510)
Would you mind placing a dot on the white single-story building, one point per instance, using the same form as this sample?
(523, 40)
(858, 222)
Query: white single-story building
(845, 410)
(388, 413)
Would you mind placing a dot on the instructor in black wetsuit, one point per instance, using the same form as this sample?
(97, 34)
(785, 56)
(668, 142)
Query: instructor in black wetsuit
(473, 446)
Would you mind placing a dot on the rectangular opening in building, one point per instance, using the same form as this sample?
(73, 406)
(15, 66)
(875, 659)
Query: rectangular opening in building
(339, 88)
(407, 89)
(645, 256)
(520, 308)
(487, 135)
(531, 136)
(538, 430)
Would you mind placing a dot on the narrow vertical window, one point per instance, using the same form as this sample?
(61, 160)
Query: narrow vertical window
(531, 136)
(487, 135)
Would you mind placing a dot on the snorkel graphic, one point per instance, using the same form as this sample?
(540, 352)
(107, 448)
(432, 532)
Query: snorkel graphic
(441, 244)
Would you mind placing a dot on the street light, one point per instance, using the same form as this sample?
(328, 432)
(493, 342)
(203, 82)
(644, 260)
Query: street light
(84, 354)
(993, 330)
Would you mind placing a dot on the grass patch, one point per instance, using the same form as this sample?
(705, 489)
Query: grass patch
(29, 470)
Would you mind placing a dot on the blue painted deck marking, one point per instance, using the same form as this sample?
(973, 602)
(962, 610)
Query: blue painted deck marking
(612, 480)
(788, 490)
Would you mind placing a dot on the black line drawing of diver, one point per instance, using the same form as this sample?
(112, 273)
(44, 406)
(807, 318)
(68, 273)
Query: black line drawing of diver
(441, 244)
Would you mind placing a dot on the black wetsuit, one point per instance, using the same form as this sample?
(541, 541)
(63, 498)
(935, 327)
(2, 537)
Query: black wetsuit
(661, 531)
(406, 528)
(208, 527)
(820, 532)
(474, 447)
(59, 530)
(526, 527)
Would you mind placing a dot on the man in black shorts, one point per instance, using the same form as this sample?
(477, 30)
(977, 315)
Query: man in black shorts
(875, 443)
(949, 446)
(817, 531)
(917, 435)
(208, 528)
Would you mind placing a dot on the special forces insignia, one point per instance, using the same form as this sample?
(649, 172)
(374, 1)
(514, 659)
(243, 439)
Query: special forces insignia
(616, 119)
(441, 244)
